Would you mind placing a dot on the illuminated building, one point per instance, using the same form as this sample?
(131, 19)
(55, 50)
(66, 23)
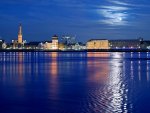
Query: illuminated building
(20, 34)
(97, 44)
(51, 45)
(48, 45)
(2, 44)
(14, 44)
(61, 46)
(79, 46)
(55, 42)
(124, 44)
(19, 43)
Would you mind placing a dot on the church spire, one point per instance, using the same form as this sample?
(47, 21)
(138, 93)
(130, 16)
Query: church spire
(20, 34)
(20, 29)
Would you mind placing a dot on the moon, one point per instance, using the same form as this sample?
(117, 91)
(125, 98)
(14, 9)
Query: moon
(120, 18)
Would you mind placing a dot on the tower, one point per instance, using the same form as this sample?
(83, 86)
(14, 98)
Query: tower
(55, 42)
(20, 34)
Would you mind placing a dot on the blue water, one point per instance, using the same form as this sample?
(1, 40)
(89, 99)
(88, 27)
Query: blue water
(74, 82)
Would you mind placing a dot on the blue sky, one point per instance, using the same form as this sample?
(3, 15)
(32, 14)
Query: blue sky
(85, 19)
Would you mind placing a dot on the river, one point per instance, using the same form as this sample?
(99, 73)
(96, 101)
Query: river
(74, 82)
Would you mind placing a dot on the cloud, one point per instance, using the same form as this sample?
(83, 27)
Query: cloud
(112, 18)
(132, 3)
(119, 2)
(115, 8)
(114, 15)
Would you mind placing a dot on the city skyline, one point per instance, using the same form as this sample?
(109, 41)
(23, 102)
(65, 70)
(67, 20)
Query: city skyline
(109, 19)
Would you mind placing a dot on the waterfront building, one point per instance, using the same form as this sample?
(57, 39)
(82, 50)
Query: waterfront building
(55, 42)
(20, 41)
(79, 46)
(48, 45)
(68, 46)
(61, 46)
(76, 47)
(41, 46)
(145, 44)
(82, 45)
(125, 44)
(14, 44)
(32, 45)
(97, 44)
(51, 45)
(2, 44)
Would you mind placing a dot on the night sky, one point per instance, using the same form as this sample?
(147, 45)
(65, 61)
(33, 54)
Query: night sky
(85, 19)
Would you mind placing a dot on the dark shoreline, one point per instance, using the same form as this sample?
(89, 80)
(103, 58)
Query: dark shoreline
(100, 50)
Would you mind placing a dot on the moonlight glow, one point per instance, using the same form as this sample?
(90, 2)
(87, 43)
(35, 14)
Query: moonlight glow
(114, 14)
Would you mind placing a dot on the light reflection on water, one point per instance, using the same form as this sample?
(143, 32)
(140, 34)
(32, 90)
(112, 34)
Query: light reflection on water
(118, 90)
(76, 82)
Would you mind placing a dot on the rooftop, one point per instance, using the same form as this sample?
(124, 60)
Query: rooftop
(96, 39)
(55, 36)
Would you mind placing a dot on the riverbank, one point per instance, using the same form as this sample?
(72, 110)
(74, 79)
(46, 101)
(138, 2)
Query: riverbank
(98, 50)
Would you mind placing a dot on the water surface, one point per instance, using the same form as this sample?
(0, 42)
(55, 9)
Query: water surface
(74, 82)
